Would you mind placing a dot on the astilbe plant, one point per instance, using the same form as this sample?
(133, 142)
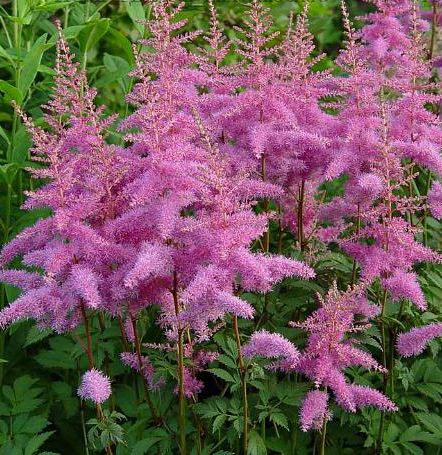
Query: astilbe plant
(399, 135)
(191, 218)
(85, 176)
(178, 217)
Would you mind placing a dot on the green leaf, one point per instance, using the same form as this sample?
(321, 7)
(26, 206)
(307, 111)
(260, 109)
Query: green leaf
(117, 41)
(256, 445)
(126, 399)
(4, 409)
(117, 70)
(4, 53)
(52, 6)
(432, 422)
(431, 390)
(12, 292)
(37, 441)
(93, 33)
(31, 63)
(218, 422)
(155, 435)
(227, 360)
(35, 335)
(223, 374)
(136, 12)
(412, 448)
(415, 433)
(32, 425)
(12, 93)
(4, 135)
(68, 32)
(278, 418)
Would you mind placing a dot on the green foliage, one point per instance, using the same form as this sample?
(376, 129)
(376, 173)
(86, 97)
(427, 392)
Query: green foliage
(23, 418)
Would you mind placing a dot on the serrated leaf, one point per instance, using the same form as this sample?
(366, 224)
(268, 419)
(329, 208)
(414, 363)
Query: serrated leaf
(412, 448)
(432, 422)
(227, 360)
(256, 445)
(35, 335)
(415, 433)
(278, 418)
(35, 424)
(36, 442)
(218, 422)
(156, 435)
(223, 374)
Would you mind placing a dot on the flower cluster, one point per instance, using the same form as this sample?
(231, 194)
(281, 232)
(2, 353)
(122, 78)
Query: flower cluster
(329, 351)
(95, 386)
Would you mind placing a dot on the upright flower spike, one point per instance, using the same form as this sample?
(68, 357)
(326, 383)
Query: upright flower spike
(384, 122)
(85, 176)
(191, 221)
(330, 350)
(273, 125)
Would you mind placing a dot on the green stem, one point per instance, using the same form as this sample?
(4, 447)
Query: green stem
(294, 436)
(66, 17)
(180, 367)
(323, 434)
(182, 398)
(263, 429)
(8, 37)
(385, 376)
(83, 427)
(243, 372)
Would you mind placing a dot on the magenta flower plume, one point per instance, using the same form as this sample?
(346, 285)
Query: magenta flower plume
(403, 285)
(95, 386)
(331, 348)
(314, 410)
(435, 200)
(272, 345)
(366, 396)
(415, 341)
